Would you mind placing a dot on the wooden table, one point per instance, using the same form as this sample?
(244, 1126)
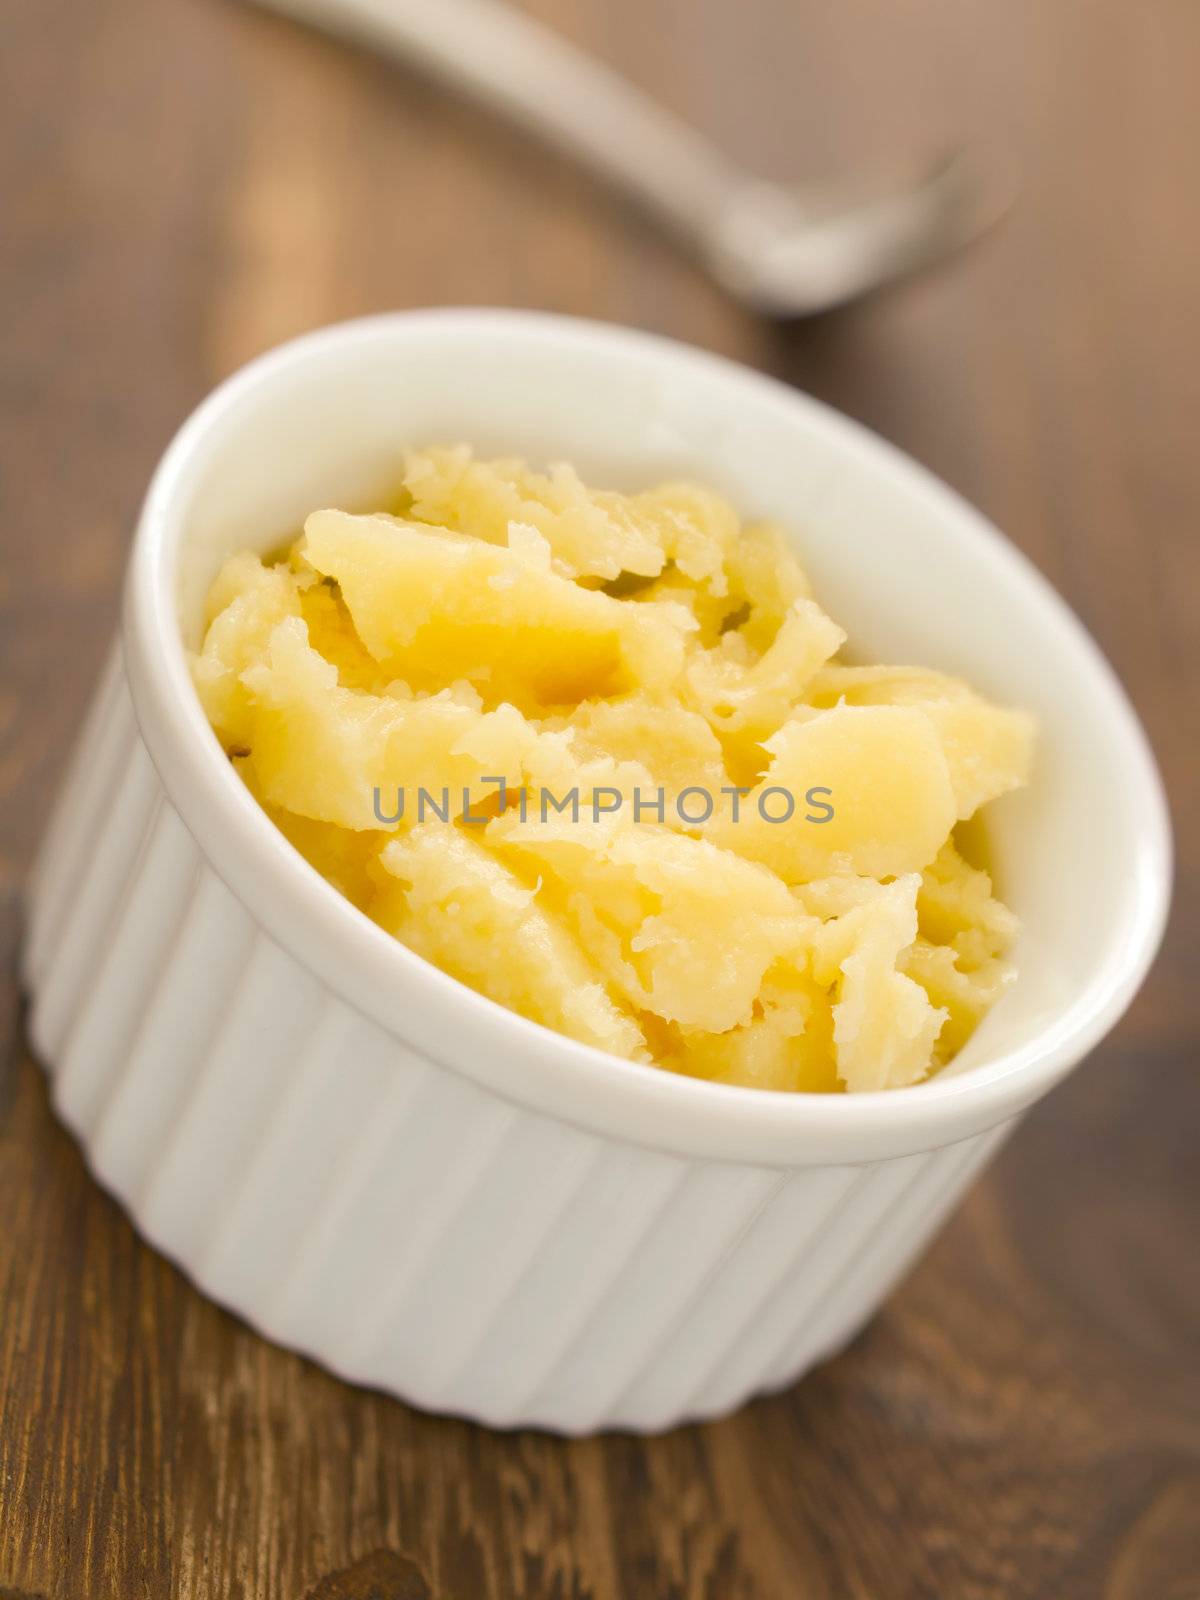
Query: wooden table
(185, 182)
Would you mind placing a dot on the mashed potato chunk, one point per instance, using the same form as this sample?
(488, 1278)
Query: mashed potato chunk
(598, 756)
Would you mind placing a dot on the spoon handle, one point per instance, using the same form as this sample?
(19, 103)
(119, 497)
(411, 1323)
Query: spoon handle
(494, 54)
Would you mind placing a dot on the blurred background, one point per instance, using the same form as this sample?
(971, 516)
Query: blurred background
(187, 182)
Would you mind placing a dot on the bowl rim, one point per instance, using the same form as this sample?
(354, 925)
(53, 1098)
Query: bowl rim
(522, 1061)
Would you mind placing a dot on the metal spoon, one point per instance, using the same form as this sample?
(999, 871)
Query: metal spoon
(787, 252)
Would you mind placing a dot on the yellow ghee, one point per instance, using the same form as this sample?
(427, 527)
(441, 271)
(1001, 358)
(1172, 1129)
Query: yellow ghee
(597, 756)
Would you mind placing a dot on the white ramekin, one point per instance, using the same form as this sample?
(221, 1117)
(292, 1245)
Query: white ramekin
(427, 1193)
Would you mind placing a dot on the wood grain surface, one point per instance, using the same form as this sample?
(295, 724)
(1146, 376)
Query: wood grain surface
(185, 182)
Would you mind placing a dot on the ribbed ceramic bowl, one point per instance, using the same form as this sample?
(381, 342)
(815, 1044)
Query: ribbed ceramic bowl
(379, 1167)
